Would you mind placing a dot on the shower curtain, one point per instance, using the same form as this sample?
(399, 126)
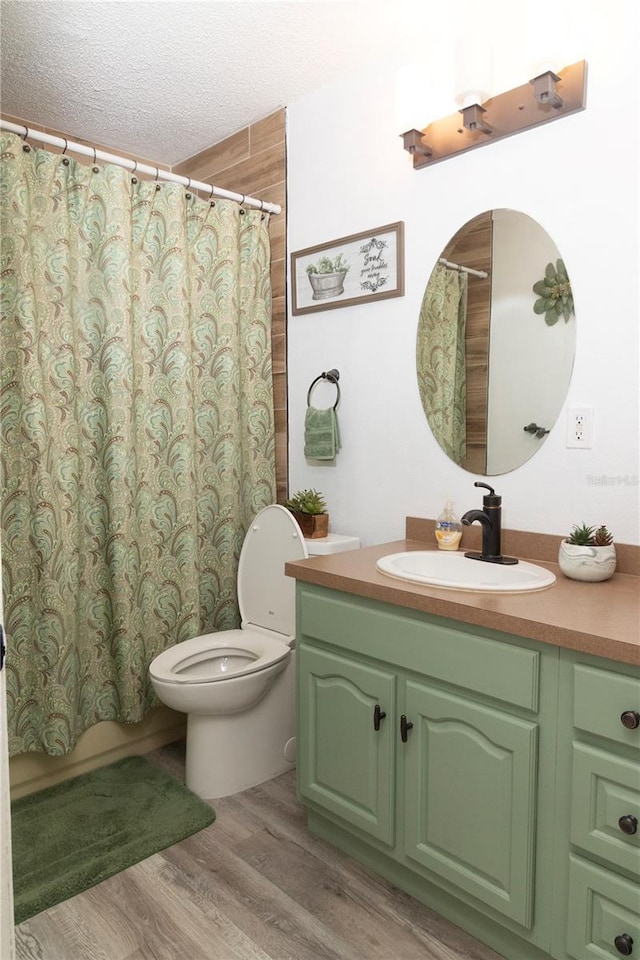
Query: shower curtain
(137, 435)
(441, 363)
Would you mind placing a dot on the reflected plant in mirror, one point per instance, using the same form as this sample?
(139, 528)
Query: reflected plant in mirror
(487, 369)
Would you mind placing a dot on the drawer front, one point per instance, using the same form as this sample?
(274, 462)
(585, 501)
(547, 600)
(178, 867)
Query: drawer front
(602, 697)
(604, 914)
(605, 807)
(494, 668)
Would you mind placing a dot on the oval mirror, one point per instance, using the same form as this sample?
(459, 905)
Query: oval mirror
(496, 342)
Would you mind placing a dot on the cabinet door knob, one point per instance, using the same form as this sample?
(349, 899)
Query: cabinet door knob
(378, 715)
(630, 719)
(624, 944)
(405, 726)
(628, 824)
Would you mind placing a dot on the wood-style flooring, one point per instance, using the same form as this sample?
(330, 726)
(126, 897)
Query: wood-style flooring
(255, 885)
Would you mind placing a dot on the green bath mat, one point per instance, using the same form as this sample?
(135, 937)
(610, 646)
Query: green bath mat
(75, 834)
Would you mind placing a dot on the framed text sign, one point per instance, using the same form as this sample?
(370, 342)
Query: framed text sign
(357, 269)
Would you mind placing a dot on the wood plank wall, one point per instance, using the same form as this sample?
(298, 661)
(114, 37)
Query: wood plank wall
(471, 247)
(253, 161)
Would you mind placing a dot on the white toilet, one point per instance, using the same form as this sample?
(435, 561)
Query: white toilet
(237, 687)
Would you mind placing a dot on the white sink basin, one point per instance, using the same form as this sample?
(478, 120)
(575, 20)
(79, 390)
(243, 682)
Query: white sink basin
(454, 571)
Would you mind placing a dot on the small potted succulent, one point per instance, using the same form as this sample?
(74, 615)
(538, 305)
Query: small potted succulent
(588, 553)
(310, 510)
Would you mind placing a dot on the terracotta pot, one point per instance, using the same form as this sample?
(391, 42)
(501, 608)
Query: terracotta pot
(313, 525)
(587, 563)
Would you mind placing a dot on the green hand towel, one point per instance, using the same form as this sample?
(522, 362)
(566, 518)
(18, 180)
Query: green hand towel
(321, 434)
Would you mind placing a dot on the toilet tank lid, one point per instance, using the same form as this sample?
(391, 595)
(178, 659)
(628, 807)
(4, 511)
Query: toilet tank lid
(266, 596)
(332, 543)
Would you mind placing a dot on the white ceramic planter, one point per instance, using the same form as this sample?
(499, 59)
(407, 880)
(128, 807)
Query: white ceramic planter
(587, 563)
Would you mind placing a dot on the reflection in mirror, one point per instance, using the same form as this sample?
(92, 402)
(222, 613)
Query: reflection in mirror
(490, 367)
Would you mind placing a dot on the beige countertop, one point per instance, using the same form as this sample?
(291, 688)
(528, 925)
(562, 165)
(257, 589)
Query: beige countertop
(598, 618)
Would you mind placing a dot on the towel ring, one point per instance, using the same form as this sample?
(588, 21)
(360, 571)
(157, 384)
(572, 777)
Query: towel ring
(332, 376)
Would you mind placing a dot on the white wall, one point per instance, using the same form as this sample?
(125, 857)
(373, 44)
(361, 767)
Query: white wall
(578, 178)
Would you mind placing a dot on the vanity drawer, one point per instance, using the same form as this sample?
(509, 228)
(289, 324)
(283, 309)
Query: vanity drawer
(505, 671)
(605, 812)
(602, 698)
(604, 914)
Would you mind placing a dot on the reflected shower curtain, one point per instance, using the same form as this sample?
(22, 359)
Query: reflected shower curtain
(137, 431)
(440, 355)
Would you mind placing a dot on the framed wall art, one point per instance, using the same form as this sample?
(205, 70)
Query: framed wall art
(361, 268)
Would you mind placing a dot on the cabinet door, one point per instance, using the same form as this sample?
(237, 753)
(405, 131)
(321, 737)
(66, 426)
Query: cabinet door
(345, 764)
(470, 797)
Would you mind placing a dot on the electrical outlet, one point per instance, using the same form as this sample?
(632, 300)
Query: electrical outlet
(580, 427)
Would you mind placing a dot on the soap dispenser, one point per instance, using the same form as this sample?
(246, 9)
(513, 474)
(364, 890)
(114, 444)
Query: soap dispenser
(448, 528)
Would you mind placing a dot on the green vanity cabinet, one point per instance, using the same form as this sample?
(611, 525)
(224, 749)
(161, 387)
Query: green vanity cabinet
(598, 850)
(428, 751)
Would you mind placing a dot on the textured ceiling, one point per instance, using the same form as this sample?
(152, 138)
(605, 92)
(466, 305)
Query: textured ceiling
(164, 80)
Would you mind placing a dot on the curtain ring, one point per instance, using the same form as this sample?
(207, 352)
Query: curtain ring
(95, 167)
(25, 145)
(187, 194)
(211, 200)
(134, 179)
(241, 202)
(157, 175)
(65, 160)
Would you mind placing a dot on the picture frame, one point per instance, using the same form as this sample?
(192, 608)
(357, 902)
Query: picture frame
(360, 268)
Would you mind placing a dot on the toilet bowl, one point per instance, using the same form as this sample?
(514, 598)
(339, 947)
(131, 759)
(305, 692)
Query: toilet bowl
(237, 687)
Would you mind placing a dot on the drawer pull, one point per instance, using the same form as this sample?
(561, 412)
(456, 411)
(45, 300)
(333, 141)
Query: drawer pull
(630, 719)
(628, 824)
(624, 944)
(378, 715)
(405, 726)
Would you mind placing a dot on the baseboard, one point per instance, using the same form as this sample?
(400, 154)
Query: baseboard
(101, 744)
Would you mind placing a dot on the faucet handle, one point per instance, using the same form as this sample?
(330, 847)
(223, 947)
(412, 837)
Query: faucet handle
(486, 486)
(491, 499)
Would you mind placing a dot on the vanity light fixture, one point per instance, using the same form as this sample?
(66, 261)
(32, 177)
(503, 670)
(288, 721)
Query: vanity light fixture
(554, 95)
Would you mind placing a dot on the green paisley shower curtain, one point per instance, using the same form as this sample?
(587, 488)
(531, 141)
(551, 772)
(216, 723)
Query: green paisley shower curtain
(442, 378)
(137, 435)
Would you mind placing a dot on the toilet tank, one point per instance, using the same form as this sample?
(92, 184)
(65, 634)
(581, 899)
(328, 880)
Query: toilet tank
(332, 543)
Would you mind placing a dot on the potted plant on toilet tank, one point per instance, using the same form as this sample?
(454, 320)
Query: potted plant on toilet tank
(310, 510)
(588, 553)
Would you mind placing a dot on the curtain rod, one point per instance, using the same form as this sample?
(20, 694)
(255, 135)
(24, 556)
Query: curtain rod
(28, 134)
(456, 266)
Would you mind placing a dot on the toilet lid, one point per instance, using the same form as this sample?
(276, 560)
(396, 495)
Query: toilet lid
(266, 596)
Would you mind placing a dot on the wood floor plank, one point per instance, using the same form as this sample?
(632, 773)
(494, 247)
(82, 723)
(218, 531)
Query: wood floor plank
(254, 885)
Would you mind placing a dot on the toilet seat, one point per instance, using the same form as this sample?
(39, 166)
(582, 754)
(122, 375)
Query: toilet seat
(198, 660)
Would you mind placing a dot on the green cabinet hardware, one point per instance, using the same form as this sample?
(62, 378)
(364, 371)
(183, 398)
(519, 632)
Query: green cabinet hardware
(405, 726)
(630, 719)
(628, 824)
(378, 715)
